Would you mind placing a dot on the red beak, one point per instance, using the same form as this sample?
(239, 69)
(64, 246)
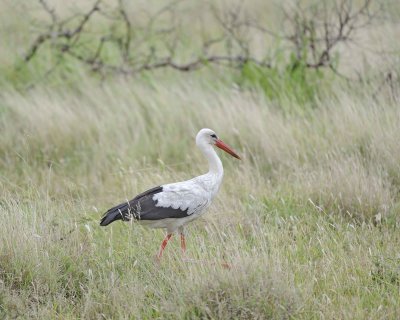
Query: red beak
(220, 144)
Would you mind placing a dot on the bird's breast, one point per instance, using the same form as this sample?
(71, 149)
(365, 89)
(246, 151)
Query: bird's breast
(210, 183)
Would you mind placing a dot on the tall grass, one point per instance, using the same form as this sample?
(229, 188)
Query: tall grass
(343, 155)
(294, 218)
(308, 220)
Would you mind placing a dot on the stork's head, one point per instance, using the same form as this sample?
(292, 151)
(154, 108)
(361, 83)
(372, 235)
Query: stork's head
(208, 136)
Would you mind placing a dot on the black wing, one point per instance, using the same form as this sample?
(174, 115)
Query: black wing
(142, 207)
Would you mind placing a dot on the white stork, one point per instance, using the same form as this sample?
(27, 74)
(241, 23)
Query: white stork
(172, 206)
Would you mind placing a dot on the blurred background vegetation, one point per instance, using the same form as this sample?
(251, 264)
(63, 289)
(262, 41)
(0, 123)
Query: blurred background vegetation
(100, 100)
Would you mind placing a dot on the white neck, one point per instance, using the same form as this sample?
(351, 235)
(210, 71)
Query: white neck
(214, 162)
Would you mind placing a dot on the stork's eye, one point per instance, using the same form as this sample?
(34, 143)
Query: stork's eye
(214, 136)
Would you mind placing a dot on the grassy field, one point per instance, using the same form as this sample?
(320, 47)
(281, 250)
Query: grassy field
(308, 220)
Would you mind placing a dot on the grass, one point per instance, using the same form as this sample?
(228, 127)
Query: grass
(308, 220)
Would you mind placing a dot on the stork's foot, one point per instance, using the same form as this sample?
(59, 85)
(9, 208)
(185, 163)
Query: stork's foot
(183, 244)
(156, 259)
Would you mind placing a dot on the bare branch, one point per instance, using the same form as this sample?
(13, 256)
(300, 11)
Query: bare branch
(314, 32)
(315, 36)
(66, 34)
(50, 11)
(128, 30)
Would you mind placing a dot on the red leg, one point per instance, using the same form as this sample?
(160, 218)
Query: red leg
(183, 243)
(163, 245)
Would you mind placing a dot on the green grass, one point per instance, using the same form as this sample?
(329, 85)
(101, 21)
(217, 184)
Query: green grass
(308, 221)
(298, 230)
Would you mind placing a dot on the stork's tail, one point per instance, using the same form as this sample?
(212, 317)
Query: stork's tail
(111, 216)
(127, 210)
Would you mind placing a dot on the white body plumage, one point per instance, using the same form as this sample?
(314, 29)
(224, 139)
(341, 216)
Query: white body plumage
(194, 196)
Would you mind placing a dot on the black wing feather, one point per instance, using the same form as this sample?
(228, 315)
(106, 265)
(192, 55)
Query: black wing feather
(142, 207)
